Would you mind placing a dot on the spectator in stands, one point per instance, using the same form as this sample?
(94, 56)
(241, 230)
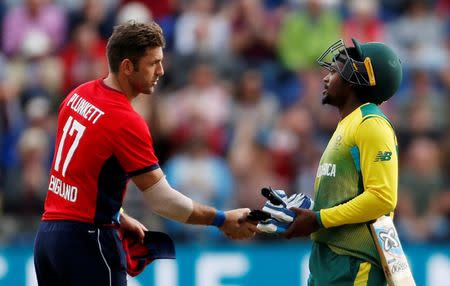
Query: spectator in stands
(253, 170)
(34, 28)
(83, 57)
(442, 8)
(421, 109)
(254, 31)
(310, 22)
(421, 184)
(12, 124)
(254, 34)
(418, 36)
(285, 139)
(313, 25)
(27, 185)
(201, 30)
(253, 112)
(443, 199)
(159, 9)
(214, 187)
(134, 11)
(204, 97)
(444, 72)
(95, 13)
(363, 22)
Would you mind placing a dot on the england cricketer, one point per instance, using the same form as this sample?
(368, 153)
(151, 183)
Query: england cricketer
(101, 144)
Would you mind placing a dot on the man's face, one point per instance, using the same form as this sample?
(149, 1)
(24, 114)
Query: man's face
(334, 87)
(145, 76)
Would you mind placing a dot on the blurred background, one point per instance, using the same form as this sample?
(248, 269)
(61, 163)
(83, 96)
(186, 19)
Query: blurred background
(239, 108)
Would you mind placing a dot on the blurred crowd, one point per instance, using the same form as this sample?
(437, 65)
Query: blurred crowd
(239, 107)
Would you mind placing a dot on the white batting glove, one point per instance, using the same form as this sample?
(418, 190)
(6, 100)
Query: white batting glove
(282, 212)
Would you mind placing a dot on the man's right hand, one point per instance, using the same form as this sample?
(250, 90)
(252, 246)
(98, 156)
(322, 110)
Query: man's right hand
(237, 225)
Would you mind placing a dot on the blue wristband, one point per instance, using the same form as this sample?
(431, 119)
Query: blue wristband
(219, 219)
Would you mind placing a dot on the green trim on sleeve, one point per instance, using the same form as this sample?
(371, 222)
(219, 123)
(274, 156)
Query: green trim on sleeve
(319, 220)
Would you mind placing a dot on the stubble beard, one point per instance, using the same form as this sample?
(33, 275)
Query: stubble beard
(326, 99)
(145, 89)
(149, 91)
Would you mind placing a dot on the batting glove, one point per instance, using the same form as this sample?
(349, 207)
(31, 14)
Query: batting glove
(282, 212)
(281, 215)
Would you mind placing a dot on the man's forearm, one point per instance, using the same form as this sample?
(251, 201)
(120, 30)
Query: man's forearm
(168, 202)
(365, 207)
(202, 214)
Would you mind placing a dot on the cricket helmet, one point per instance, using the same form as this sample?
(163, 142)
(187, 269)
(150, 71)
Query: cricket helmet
(373, 65)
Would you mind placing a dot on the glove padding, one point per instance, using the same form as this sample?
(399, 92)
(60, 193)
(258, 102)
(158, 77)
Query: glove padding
(272, 226)
(281, 214)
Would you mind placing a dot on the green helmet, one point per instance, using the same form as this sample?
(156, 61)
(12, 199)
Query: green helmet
(372, 64)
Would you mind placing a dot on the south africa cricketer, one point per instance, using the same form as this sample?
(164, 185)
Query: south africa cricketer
(356, 180)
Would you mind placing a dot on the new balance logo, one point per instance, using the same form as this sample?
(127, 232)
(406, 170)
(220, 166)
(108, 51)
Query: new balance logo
(383, 156)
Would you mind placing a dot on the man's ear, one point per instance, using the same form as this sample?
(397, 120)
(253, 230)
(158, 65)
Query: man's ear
(127, 67)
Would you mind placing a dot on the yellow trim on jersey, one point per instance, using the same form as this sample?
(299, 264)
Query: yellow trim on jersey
(379, 173)
(363, 274)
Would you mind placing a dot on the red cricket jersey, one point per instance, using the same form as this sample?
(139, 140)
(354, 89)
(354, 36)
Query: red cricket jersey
(101, 142)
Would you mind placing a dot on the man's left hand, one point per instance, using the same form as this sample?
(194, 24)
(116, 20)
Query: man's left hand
(129, 224)
(304, 224)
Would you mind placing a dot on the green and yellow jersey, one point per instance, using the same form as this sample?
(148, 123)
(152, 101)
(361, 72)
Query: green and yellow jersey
(356, 182)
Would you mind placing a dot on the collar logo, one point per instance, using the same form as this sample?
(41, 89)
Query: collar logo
(338, 142)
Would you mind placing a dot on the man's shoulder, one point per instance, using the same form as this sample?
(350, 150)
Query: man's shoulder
(94, 95)
(372, 111)
(87, 85)
(86, 89)
(99, 94)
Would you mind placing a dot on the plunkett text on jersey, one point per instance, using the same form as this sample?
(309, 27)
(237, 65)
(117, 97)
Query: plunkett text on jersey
(84, 108)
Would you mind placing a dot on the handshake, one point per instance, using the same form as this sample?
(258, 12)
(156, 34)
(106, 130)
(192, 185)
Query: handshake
(287, 216)
(276, 215)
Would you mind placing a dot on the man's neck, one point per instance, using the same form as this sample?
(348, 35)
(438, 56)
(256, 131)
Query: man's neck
(349, 106)
(114, 82)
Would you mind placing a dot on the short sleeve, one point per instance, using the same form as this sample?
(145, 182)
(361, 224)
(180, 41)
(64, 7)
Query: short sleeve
(134, 148)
